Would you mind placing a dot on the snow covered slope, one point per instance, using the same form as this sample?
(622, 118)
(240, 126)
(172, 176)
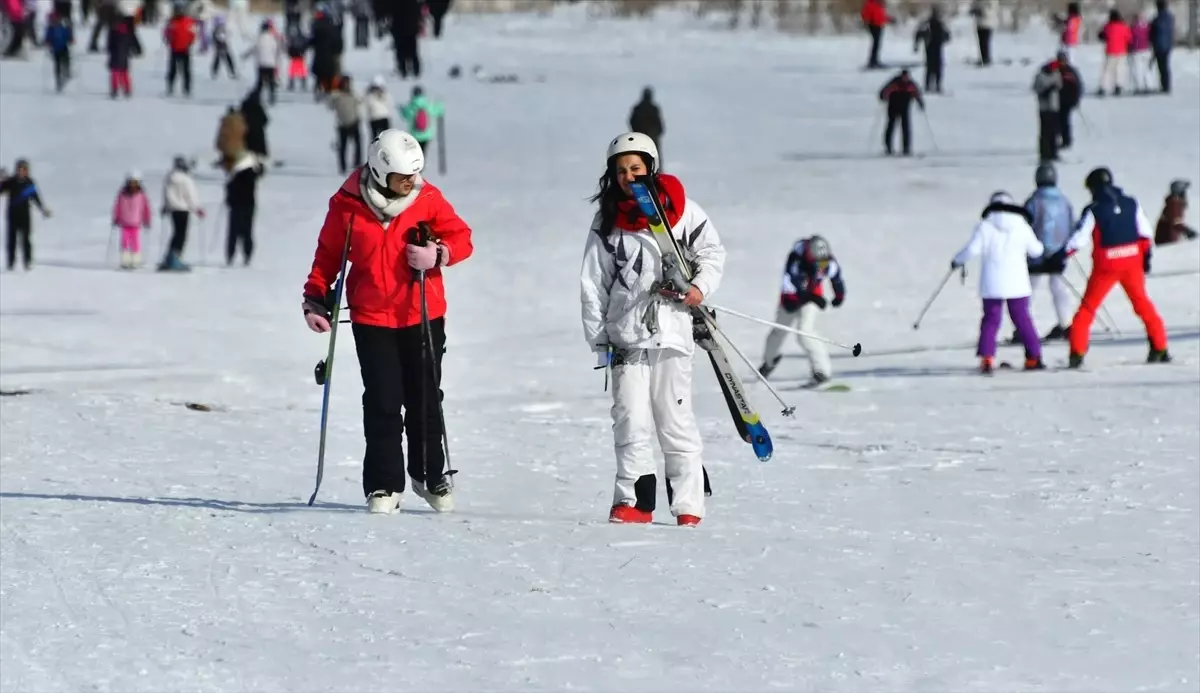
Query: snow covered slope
(929, 531)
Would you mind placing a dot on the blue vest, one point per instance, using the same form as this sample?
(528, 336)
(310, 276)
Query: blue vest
(1116, 218)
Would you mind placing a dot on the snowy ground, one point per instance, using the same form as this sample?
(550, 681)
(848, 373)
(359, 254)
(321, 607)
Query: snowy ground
(929, 531)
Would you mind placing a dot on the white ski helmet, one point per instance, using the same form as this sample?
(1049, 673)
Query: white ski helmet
(634, 142)
(394, 151)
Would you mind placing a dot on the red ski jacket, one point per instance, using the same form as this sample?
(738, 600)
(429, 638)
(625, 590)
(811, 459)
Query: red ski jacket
(874, 15)
(380, 286)
(180, 34)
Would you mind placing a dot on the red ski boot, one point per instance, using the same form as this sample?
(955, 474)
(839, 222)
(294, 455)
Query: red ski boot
(688, 520)
(627, 514)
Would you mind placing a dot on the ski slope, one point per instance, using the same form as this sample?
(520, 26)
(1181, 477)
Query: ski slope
(931, 530)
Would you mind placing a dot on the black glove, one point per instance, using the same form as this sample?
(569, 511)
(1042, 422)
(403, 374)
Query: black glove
(790, 302)
(318, 306)
(837, 300)
(954, 265)
(1146, 263)
(1056, 263)
(818, 301)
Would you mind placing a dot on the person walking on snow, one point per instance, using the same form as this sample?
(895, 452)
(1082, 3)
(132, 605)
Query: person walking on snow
(180, 35)
(1069, 96)
(268, 50)
(380, 206)
(1048, 86)
(899, 94)
(22, 192)
(297, 46)
(1053, 221)
(379, 107)
(875, 17)
(801, 297)
(131, 214)
(1117, 38)
(1120, 234)
(241, 197)
(1139, 50)
(59, 39)
(180, 200)
(987, 16)
(646, 118)
(122, 44)
(1162, 39)
(1004, 242)
(934, 35)
(646, 339)
(421, 114)
(345, 106)
(221, 52)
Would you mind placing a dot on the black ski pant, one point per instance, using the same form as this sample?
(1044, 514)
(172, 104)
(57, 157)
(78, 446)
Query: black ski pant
(379, 125)
(437, 23)
(266, 83)
(179, 229)
(241, 231)
(180, 66)
(905, 119)
(362, 31)
(933, 73)
(346, 133)
(1163, 62)
(18, 230)
(876, 40)
(407, 59)
(985, 45)
(1048, 135)
(62, 69)
(221, 55)
(400, 394)
(1065, 139)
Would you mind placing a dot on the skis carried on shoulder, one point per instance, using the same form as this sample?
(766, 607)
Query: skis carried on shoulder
(678, 273)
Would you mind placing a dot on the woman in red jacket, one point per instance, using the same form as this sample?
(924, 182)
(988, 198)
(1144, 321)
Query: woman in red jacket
(378, 210)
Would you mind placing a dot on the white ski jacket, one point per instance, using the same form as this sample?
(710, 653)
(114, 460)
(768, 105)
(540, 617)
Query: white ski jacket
(268, 49)
(1004, 241)
(378, 105)
(179, 193)
(619, 269)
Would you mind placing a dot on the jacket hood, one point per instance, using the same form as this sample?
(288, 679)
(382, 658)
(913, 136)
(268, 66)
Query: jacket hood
(998, 214)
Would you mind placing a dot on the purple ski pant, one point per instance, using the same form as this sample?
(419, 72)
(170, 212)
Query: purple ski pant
(1018, 311)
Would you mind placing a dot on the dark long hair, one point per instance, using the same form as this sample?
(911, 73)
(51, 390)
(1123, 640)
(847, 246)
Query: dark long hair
(609, 193)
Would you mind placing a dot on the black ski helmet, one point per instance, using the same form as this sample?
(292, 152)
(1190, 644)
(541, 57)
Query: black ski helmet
(1098, 179)
(1045, 175)
(1179, 188)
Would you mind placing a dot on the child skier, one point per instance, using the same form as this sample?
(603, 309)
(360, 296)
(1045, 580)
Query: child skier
(22, 192)
(180, 199)
(422, 113)
(297, 46)
(59, 39)
(131, 214)
(647, 340)
(1171, 225)
(220, 43)
(379, 107)
(1005, 242)
(808, 266)
(1053, 222)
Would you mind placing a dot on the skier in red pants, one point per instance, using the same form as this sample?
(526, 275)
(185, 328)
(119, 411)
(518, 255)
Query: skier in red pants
(1120, 234)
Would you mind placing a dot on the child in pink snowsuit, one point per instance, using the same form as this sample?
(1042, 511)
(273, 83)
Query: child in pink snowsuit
(131, 212)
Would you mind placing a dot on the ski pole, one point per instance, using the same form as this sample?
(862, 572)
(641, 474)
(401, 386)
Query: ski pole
(441, 144)
(856, 349)
(929, 127)
(421, 235)
(937, 292)
(874, 128)
(788, 409)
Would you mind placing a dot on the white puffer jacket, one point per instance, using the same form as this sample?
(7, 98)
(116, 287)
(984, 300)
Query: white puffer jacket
(619, 269)
(179, 193)
(1004, 241)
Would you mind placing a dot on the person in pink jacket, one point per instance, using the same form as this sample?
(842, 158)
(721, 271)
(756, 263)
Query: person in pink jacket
(131, 213)
(1139, 54)
(1117, 37)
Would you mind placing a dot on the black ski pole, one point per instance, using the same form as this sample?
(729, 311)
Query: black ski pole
(420, 235)
(441, 144)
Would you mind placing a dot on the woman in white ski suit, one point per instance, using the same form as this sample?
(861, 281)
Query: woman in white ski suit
(644, 336)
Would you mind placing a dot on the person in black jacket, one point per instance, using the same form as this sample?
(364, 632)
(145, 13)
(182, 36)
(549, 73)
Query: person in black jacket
(406, 27)
(22, 192)
(327, 46)
(1068, 97)
(647, 119)
(899, 94)
(256, 123)
(122, 44)
(438, 10)
(241, 187)
(934, 34)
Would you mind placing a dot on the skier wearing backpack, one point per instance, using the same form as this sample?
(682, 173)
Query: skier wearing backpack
(422, 113)
(808, 265)
(646, 339)
(380, 205)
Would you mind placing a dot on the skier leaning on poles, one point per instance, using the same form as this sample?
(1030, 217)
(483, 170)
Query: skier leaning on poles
(377, 211)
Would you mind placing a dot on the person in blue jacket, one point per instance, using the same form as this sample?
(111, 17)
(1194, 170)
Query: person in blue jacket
(1053, 223)
(59, 39)
(1162, 39)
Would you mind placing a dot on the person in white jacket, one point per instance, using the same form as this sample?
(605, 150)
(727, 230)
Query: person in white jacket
(378, 104)
(268, 50)
(1004, 241)
(987, 15)
(645, 337)
(180, 200)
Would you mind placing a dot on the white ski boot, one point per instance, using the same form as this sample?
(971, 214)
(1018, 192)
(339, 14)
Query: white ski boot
(383, 503)
(440, 499)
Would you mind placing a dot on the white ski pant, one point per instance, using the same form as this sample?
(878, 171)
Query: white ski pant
(652, 393)
(1139, 69)
(818, 355)
(1060, 293)
(1114, 76)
